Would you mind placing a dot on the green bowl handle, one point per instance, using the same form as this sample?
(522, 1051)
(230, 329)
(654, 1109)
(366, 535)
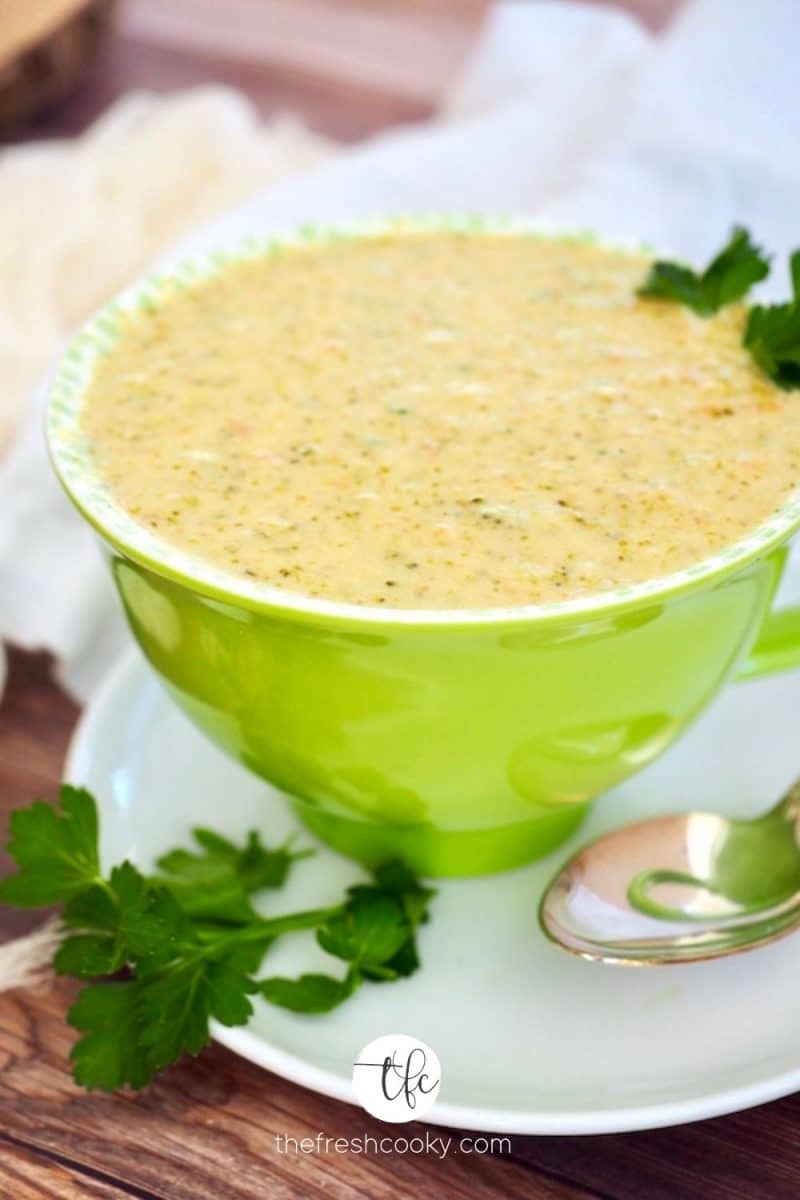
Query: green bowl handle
(777, 647)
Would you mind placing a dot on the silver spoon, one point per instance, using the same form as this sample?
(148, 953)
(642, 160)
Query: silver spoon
(680, 888)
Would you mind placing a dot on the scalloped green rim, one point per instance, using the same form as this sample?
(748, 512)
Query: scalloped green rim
(71, 457)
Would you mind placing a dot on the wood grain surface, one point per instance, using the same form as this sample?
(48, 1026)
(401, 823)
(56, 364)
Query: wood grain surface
(31, 1176)
(207, 1131)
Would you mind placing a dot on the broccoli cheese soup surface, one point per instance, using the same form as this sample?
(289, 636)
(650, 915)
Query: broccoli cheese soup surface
(440, 420)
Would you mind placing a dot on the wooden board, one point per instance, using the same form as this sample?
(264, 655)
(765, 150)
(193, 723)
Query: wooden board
(23, 25)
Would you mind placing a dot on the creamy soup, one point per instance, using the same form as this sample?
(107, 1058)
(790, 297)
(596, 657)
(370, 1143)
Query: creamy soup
(440, 420)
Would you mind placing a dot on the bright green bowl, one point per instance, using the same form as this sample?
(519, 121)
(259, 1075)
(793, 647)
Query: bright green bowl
(465, 741)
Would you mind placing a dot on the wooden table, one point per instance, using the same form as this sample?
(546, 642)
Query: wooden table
(207, 1131)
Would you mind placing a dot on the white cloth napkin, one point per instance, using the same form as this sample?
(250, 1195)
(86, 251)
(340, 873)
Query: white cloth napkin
(567, 113)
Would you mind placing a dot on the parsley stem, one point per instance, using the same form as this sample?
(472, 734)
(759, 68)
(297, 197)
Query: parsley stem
(271, 927)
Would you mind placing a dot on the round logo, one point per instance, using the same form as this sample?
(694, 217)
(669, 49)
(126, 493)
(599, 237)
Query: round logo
(396, 1078)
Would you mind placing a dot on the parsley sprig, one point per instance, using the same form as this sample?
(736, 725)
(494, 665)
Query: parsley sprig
(772, 334)
(728, 277)
(772, 331)
(185, 944)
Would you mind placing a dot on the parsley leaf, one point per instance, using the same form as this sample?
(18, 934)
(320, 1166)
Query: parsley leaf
(109, 1054)
(310, 993)
(368, 932)
(94, 907)
(215, 884)
(87, 955)
(176, 1005)
(189, 939)
(55, 850)
(374, 931)
(727, 278)
(772, 335)
(396, 879)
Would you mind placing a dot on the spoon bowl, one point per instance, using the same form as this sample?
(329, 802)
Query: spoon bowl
(680, 888)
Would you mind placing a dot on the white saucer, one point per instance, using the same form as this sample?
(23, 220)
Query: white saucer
(530, 1040)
